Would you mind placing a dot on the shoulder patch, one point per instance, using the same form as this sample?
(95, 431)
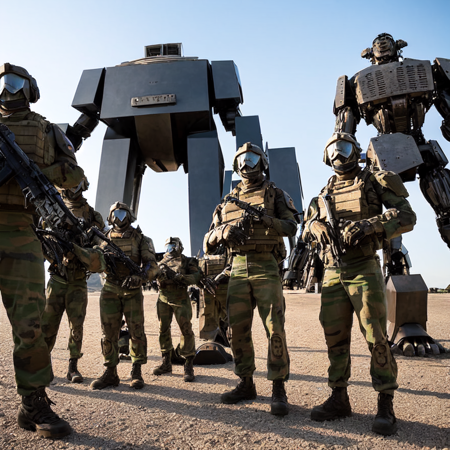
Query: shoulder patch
(391, 180)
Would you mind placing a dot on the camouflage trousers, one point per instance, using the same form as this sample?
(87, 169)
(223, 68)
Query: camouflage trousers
(116, 302)
(175, 301)
(255, 282)
(22, 284)
(70, 297)
(357, 288)
(212, 311)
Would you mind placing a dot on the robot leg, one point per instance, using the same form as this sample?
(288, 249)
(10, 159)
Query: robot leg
(435, 186)
(396, 258)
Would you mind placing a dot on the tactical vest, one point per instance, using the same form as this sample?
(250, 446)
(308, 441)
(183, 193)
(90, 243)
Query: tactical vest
(31, 131)
(261, 239)
(212, 265)
(129, 242)
(352, 200)
(178, 264)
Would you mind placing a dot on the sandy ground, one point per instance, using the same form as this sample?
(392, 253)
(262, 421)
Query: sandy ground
(171, 414)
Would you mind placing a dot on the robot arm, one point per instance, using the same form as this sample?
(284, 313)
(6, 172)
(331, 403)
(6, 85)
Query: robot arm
(441, 72)
(345, 107)
(81, 130)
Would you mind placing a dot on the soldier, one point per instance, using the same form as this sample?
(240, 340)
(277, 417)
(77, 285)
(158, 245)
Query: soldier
(255, 279)
(177, 273)
(353, 281)
(67, 289)
(122, 295)
(22, 279)
(213, 321)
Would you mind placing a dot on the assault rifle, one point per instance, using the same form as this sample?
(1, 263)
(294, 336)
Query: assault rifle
(337, 248)
(62, 227)
(256, 212)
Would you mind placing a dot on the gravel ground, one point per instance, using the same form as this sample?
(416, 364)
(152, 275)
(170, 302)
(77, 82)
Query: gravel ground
(171, 414)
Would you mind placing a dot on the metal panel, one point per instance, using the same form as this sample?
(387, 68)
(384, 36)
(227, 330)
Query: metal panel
(227, 85)
(406, 300)
(115, 180)
(87, 97)
(284, 172)
(397, 78)
(405, 156)
(227, 182)
(187, 79)
(248, 129)
(206, 168)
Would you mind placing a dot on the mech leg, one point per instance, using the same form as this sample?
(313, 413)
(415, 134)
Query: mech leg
(435, 186)
(396, 260)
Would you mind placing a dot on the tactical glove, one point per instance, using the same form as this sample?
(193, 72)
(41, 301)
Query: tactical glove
(320, 231)
(355, 232)
(132, 282)
(234, 235)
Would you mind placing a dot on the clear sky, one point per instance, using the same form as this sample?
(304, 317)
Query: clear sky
(289, 55)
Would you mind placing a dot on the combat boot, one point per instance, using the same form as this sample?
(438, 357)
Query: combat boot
(385, 422)
(336, 406)
(35, 414)
(189, 369)
(245, 390)
(279, 405)
(72, 374)
(166, 366)
(137, 382)
(109, 378)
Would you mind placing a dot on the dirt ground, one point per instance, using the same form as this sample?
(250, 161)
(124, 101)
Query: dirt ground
(171, 414)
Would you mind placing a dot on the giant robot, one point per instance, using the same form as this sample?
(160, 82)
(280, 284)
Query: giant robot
(394, 95)
(159, 113)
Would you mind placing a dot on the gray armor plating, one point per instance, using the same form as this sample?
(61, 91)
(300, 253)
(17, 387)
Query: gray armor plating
(394, 97)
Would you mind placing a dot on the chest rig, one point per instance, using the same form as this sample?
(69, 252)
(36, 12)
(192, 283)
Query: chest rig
(31, 131)
(261, 239)
(129, 242)
(351, 199)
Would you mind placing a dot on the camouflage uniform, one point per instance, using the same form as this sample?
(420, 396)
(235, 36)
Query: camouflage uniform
(255, 279)
(213, 309)
(173, 300)
(21, 261)
(68, 291)
(356, 284)
(116, 301)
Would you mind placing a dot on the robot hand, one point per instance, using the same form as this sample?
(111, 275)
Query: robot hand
(354, 232)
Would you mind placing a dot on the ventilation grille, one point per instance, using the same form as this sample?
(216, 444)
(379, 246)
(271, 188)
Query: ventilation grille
(163, 50)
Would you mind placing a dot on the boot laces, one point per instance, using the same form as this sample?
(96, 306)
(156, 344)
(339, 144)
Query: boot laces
(136, 373)
(42, 405)
(385, 408)
(278, 391)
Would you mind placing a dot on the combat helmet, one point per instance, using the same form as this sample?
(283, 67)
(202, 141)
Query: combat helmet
(342, 152)
(120, 215)
(17, 88)
(384, 49)
(247, 157)
(174, 245)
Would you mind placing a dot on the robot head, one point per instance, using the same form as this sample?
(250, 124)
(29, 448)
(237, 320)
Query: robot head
(342, 152)
(120, 216)
(76, 192)
(384, 49)
(17, 89)
(250, 161)
(174, 246)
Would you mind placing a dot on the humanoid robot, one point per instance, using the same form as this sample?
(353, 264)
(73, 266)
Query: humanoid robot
(394, 95)
(159, 113)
